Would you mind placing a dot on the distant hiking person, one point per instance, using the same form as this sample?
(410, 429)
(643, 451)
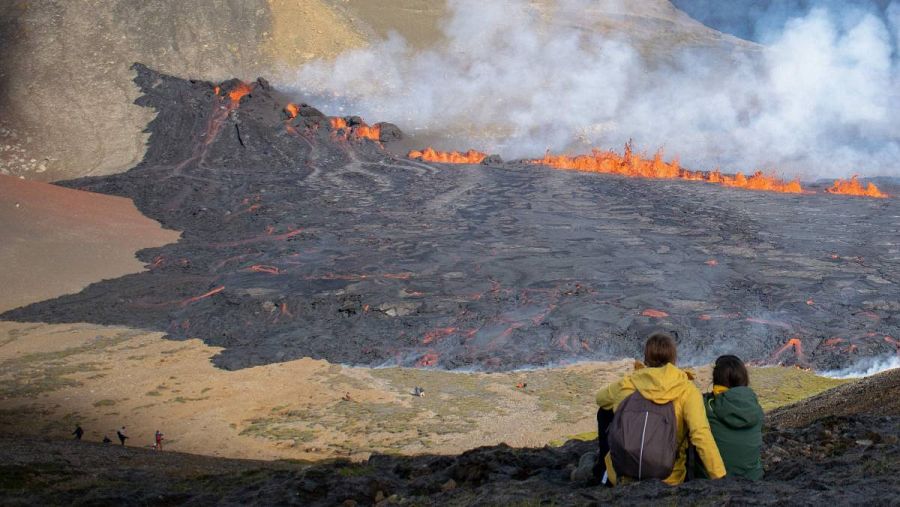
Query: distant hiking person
(78, 432)
(121, 434)
(657, 411)
(735, 418)
(159, 440)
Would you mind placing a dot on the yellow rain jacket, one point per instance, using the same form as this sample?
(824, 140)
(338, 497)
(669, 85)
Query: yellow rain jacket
(662, 385)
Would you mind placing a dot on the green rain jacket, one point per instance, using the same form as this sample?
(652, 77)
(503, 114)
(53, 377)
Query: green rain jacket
(736, 420)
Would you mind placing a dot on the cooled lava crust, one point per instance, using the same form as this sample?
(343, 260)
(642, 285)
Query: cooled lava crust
(300, 239)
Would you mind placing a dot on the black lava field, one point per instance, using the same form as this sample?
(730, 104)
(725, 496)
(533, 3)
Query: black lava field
(301, 239)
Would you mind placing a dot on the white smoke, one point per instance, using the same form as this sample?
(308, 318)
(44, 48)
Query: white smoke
(820, 100)
(865, 367)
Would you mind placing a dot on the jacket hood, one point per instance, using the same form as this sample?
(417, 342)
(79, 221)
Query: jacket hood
(663, 384)
(737, 408)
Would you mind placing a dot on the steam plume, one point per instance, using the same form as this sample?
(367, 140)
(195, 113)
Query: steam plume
(820, 99)
(866, 367)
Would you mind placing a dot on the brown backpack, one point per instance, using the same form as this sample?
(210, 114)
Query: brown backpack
(642, 441)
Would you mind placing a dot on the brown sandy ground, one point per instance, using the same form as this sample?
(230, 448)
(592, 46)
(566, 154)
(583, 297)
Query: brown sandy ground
(56, 240)
(54, 376)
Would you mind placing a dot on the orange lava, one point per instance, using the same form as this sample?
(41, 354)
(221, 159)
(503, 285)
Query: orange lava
(447, 157)
(202, 296)
(854, 187)
(367, 132)
(794, 343)
(437, 333)
(634, 166)
(239, 91)
(429, 359)
(292, 110)
(263, 268)
(361, 131)
(656, 314)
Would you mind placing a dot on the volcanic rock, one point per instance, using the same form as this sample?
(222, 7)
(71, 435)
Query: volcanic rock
(875, 395)
(492, 160)
(299, 239)
(308, 111)
(389, 132)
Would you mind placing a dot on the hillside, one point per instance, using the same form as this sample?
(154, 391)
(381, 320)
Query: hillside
(66, 92)
(850, 458)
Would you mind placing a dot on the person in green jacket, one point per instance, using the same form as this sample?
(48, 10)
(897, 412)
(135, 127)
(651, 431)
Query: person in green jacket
(735, 419)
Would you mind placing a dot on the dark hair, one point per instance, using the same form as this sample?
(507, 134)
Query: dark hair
(730, 371)
(659, 350)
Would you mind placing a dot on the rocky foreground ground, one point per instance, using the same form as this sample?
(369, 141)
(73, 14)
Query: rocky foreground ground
(851, 458)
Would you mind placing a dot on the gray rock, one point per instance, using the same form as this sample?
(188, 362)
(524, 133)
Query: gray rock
(585, 469)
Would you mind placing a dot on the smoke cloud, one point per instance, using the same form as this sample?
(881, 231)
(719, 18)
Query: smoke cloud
(819, 99)
(865, 367)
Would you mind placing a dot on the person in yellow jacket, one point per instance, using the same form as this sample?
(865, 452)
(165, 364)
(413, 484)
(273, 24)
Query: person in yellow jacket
(661, 382)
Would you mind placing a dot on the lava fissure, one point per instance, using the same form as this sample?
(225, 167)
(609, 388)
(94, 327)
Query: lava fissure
(633, 165)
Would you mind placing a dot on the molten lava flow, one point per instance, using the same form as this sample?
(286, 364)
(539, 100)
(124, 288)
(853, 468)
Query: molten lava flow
(292, 110)
(367, 132)
(239, 91)
(429, 359)
(203, 296)
(263, 268)
(437, 334)
(158, 261)
(634, 166)
(854, 187)
(794, 343)
(360, 131)
(448, 157)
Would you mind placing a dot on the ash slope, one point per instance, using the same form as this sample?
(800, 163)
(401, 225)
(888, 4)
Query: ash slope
(300, 242)
(848, 459)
